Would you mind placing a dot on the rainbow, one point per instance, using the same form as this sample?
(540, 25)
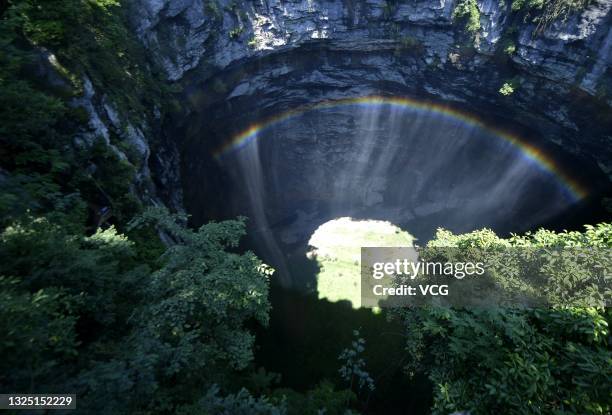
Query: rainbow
(535, 155)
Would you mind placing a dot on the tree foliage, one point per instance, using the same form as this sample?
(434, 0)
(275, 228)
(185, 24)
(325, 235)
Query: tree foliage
(515, 361)
(240, 403)
(353, 369)
(467, 11)
(80, 313)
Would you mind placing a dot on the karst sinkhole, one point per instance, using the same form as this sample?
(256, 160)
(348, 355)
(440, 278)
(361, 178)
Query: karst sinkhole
(295, 147)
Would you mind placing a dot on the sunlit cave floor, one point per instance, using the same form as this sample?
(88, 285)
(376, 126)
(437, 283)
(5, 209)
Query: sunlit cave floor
(336, 248)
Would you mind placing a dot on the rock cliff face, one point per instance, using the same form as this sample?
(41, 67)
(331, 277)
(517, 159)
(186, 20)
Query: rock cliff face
(186, 33)
(236, 62)
(105, 119)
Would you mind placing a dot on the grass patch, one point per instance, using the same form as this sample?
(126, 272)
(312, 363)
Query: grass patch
(337, 250)
(467, 12)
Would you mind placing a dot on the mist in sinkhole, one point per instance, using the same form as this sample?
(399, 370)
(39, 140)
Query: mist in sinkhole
(417, 169)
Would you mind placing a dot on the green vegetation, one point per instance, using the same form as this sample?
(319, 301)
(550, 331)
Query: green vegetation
(95, 320)
(542, 13)
(353, 369)
(545, 12)
(110, 313)
(557, 360)
(507, 89)
(89, 38)
(406, 44)
(510, 86)
(236, 32)
(467, 12)
(510, 48)
(219, 86)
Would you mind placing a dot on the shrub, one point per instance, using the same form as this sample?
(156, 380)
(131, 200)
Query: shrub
(236, 32)
(546, 12)
(510, 48)
(467, 11)
(506, 89)
(353, 368)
